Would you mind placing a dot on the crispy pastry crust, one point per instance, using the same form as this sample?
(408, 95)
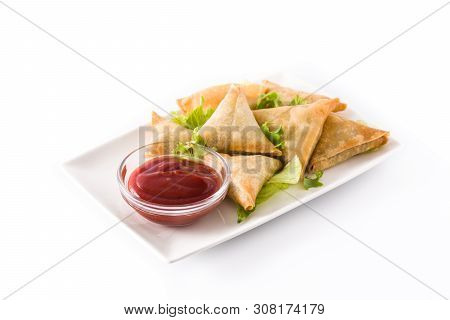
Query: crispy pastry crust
(302, 126)
(342, 139)
(233, 128)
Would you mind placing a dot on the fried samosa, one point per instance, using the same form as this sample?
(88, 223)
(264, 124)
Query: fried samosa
(302, 126)
(248, 175)
(212, 96)
(233, 128)
(287, 95)
(342, 139)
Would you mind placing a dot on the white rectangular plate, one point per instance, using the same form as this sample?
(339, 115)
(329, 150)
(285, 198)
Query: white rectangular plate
(95, 171)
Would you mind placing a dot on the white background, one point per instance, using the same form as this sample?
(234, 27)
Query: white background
(55, 105)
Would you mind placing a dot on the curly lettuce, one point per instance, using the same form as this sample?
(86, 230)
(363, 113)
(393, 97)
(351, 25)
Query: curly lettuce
(297, 101)
(313, 180)
(196, 118)
(276, 136)
(193, 148)
(268, 100)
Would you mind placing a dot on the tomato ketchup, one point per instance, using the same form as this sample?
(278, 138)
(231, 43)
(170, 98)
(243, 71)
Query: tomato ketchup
(173, 180)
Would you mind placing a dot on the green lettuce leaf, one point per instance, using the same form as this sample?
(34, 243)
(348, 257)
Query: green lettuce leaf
(268, 100)
(193, 119)
(289, 175)
(193, 148)
(276, 136)
(297, 101)
(313, 181)
(196, 137)
(189, 149)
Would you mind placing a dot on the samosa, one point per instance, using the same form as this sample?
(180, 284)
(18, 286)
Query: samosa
(342, 139)
(233, 128)
(301, 125)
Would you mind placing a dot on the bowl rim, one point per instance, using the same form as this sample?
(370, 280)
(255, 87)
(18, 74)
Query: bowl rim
(175, 210)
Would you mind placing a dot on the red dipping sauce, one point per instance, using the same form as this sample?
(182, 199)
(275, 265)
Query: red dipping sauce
(172, 180)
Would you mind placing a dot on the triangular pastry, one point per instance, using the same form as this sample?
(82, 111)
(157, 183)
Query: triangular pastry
(302, 126)
(233, 128)
(342, 139)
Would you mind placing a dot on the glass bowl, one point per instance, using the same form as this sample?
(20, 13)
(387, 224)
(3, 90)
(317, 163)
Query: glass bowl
(172, 215)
